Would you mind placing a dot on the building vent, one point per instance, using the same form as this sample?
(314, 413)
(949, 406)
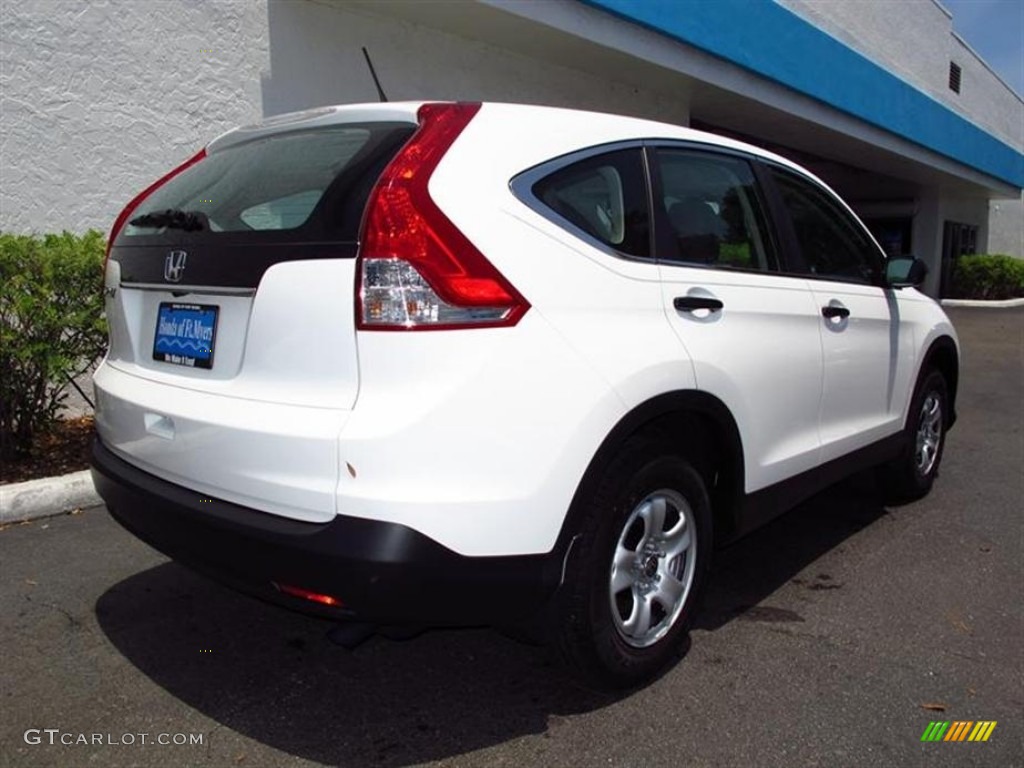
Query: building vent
(954, 77)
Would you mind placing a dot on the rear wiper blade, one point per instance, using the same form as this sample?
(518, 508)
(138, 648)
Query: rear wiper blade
(172, 218)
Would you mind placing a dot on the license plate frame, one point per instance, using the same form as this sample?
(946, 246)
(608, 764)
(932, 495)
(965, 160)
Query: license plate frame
(186, 334)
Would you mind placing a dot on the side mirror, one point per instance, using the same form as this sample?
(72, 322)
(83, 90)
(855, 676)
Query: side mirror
(904, 272)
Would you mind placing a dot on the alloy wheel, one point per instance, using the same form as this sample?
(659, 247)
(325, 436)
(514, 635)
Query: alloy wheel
(652, 568)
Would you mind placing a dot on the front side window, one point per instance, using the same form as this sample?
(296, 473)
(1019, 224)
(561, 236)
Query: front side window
(605, 197)
(713, 210)
(831, 242)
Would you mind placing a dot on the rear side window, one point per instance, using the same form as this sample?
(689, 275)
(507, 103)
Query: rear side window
(713, 210)
(605, 197)
(312, 182)
(832, 243)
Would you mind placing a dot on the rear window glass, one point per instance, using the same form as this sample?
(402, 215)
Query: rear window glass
(283, 213)
(316, 180)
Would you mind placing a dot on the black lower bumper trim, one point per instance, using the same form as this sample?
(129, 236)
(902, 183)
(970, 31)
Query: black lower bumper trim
(380, 572)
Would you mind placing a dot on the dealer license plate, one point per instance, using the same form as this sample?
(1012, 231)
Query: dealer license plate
(185, 334)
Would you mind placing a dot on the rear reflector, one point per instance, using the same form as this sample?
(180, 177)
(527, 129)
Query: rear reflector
(305, 594)
(417, 270)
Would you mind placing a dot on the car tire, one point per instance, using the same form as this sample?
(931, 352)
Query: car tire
(910, 477)
(635, 575)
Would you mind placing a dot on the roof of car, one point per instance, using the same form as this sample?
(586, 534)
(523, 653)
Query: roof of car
(561, 129)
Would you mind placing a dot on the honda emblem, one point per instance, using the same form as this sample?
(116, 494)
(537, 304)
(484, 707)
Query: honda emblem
(174, 266)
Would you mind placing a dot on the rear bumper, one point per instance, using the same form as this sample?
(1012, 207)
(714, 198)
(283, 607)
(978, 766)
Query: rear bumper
(380, 572)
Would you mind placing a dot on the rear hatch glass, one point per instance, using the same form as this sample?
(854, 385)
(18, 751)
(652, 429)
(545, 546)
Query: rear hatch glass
(289, 196)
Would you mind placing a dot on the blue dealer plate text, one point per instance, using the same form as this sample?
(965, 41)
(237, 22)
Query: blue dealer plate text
(185, 334)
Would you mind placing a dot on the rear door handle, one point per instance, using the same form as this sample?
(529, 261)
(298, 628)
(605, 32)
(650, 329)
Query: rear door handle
(690, 303)
(831, 312)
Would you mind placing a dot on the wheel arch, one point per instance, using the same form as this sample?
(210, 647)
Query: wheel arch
(944, 356)
(693, 424)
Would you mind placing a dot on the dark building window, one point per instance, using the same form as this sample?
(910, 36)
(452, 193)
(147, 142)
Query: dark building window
(894, 235)
(954, 77)
(958, 240)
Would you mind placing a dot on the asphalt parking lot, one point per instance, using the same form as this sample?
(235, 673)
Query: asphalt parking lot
(831, 637)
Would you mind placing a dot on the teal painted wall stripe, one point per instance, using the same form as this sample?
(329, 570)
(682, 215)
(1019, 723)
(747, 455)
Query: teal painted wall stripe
(764, 37)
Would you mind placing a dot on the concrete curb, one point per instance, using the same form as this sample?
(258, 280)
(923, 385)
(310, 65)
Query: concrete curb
(1004, 304)
(47, 496)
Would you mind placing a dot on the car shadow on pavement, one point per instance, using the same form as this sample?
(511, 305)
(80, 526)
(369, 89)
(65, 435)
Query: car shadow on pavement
(273, 676)
(749, 571)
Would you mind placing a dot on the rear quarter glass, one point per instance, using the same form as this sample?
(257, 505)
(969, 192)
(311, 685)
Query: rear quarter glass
(302, 189)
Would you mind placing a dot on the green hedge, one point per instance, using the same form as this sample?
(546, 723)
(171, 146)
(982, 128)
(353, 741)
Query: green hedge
(988, 276)
(51, 327)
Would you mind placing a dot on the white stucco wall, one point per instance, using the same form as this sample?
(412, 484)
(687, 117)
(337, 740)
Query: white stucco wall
(914, 40)
(908, 37)
(316, 58)
(985, 98)
(1006, 227)
(99, 98)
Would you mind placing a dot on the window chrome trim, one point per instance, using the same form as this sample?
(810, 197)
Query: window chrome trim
(702, 146)
(205, 290)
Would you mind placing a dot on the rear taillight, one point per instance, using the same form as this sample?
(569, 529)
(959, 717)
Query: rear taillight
(128, 209)
(417, 271)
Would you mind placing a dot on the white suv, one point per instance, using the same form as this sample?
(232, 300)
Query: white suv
(459, 363)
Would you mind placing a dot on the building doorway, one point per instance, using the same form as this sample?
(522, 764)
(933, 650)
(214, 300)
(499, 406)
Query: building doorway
(958, 239)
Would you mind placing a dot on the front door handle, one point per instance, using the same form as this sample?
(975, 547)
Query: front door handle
(690, 303)
(831, 312)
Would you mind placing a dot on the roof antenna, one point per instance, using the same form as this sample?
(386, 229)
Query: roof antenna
(373, 74)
